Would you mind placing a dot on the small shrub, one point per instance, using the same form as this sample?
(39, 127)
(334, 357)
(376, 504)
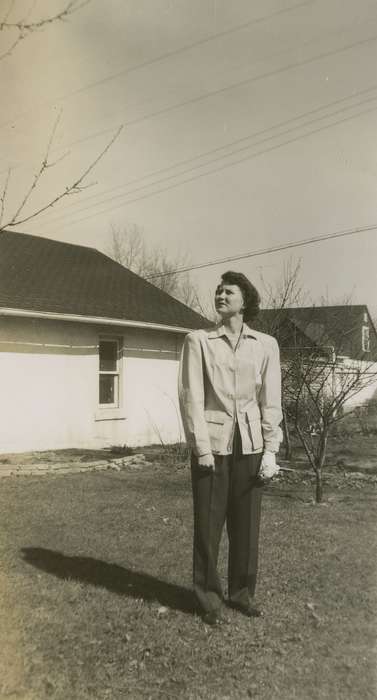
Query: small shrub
(178, 453)
(122, 450)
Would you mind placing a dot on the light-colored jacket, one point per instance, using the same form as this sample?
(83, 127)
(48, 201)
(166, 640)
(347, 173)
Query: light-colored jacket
(219, 385)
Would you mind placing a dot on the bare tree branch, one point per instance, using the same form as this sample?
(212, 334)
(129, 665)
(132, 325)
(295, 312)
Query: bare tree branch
(288, 292)
(8, 12)
(127, 246)
(43, 167)
(324, 368)
(4, 194)
(317, 395)
(11, 48)
(76, 187)
(69, 9)
(24, 28)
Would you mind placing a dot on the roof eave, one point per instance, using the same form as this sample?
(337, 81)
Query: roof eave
(101, 320)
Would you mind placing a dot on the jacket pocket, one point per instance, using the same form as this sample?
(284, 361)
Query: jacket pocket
(214, 416)
(215, 426)
(255, 429)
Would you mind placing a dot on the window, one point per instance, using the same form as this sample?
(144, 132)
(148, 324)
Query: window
(365, 340)
(109, 370)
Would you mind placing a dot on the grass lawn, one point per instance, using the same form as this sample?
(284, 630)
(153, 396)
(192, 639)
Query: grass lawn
(96, 603)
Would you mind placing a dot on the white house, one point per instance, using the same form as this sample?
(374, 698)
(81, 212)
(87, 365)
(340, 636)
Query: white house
(89, 350)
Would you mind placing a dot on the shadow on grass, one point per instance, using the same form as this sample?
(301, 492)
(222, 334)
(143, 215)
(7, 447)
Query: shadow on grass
(113, 577)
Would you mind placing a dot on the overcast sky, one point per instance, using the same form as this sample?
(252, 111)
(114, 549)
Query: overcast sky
(247, 124)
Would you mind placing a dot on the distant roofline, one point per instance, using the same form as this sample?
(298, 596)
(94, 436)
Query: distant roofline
(76, 318)
(314, 307)
(333, 307)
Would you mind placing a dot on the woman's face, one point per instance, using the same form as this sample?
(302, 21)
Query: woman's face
(228, 300)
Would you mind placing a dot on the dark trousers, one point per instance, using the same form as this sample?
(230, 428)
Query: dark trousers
(231, 493)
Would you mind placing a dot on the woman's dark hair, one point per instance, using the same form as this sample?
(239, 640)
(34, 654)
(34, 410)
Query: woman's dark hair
(250, 294)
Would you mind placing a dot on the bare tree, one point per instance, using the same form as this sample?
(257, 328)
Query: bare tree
(24, 211)
(321, 387)
(19, 216)
(324, 370)
(287, 292)
(21, 27)
(127, 246)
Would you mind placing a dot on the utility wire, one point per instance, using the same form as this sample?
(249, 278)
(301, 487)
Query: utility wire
(204, 96)
(228, 145)
(211, 93)
(267, 251)
(163, 57)
(216, 159)
(215, 92)
(218, 91)
(219, 168)
(247, 81)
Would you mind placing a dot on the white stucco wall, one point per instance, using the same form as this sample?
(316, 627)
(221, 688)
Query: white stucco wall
(368, 383)
(49, 386)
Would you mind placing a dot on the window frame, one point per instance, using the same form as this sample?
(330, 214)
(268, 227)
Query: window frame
(114, 373)
(365, 338)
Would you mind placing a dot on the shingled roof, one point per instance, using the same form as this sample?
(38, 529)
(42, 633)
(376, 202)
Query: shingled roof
(337, 326)
(41, 275)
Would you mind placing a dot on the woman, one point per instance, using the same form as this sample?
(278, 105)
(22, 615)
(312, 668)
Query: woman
(230, 399)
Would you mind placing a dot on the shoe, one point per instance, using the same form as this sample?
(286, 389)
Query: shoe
(247, 610)
(212, 618)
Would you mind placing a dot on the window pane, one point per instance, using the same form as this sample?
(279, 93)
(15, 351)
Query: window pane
(108, 389)
(108, 352)
(365, 339)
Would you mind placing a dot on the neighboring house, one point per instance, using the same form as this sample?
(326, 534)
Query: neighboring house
(343, 334)
(89, 350)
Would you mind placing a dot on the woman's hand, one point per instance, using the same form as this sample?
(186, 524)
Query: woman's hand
(268, 468)
(207, 462)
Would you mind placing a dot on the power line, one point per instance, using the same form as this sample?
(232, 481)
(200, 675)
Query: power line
(216, 150)
(212, 93)
(218, 91)
(221, 168)
(247, 81)
(267, 251)
(163, 57)
(213, 160)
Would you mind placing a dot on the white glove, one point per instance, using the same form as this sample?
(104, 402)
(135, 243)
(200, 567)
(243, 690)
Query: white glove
(207, 461)
(268, 468)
